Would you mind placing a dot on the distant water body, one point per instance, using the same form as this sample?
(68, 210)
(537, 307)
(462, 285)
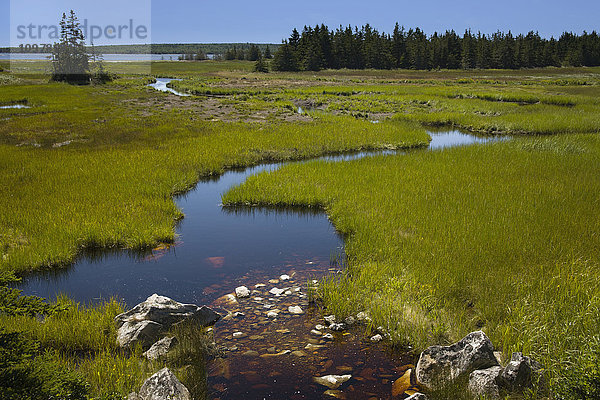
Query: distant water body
(107, 57)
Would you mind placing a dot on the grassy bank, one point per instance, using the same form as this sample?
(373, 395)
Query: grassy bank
(500, 237)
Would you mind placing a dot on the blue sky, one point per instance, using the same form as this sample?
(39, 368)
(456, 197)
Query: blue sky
(269, 21)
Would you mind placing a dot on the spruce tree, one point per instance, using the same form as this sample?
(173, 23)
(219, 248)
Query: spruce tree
(70, 62)
(261, 65)
(285, 59)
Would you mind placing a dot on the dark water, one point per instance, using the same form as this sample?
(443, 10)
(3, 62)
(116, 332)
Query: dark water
(216, 246)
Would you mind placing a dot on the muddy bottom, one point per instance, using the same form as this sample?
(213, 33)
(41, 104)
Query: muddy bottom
(273, 353)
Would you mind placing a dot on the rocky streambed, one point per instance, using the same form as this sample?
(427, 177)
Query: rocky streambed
(277, 345)
(280, 346)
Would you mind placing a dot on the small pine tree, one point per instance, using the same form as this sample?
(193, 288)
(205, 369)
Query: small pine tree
(70, 62)
(261, 66)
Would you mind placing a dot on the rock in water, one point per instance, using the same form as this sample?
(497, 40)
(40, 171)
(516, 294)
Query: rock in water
(295, 310)
(242, 292)
(164, 385)
(332, 381)
(160, 348)
(402, 384)
(439, 365)
(521, 373)
(147, 320)
(485, 382)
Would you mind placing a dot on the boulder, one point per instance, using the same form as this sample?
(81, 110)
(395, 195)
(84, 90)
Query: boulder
(486, 382)
(521, 373)
(439, 365)
(332, 381)
(163, 385)
(145, 322)
(160, 348)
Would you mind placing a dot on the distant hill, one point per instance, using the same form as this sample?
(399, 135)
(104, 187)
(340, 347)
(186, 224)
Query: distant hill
(168, 48)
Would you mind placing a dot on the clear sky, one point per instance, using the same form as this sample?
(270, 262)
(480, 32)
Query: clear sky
(203, 21)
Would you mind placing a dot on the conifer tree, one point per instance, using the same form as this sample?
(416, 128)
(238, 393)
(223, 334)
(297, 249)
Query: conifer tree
(70, 62)
(284, 59)
(261, 65)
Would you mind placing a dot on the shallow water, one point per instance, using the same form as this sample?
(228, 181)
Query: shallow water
(106, 57)
(161, 85)
(14, 106)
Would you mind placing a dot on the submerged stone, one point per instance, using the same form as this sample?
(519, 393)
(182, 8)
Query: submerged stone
(332, 381)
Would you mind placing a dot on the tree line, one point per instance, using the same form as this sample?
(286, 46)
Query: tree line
(252, 53)
(346, 47)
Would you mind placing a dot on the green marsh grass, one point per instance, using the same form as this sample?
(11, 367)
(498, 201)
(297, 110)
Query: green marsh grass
(111, 182)
(500, 237)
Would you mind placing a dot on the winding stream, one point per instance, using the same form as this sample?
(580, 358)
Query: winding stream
(219, 249)
(216, 246)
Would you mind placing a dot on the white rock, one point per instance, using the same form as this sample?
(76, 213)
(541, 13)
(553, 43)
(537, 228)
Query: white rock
(417, 396)
(238, 334)
(259, 285)
(316, 333)
(484, 383)
(439, 365)
(277, 292)
(330, 319)
(363, 316)
(319, 327)
(284, 277)
(377, 338)
(311, 346)
(288, 292)
(338, 327)
(157, 314)
(295, 310)
(332, 381)
(272, 314)
(242, 292)
(328, 336)
(164, 385)
(160, 348)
